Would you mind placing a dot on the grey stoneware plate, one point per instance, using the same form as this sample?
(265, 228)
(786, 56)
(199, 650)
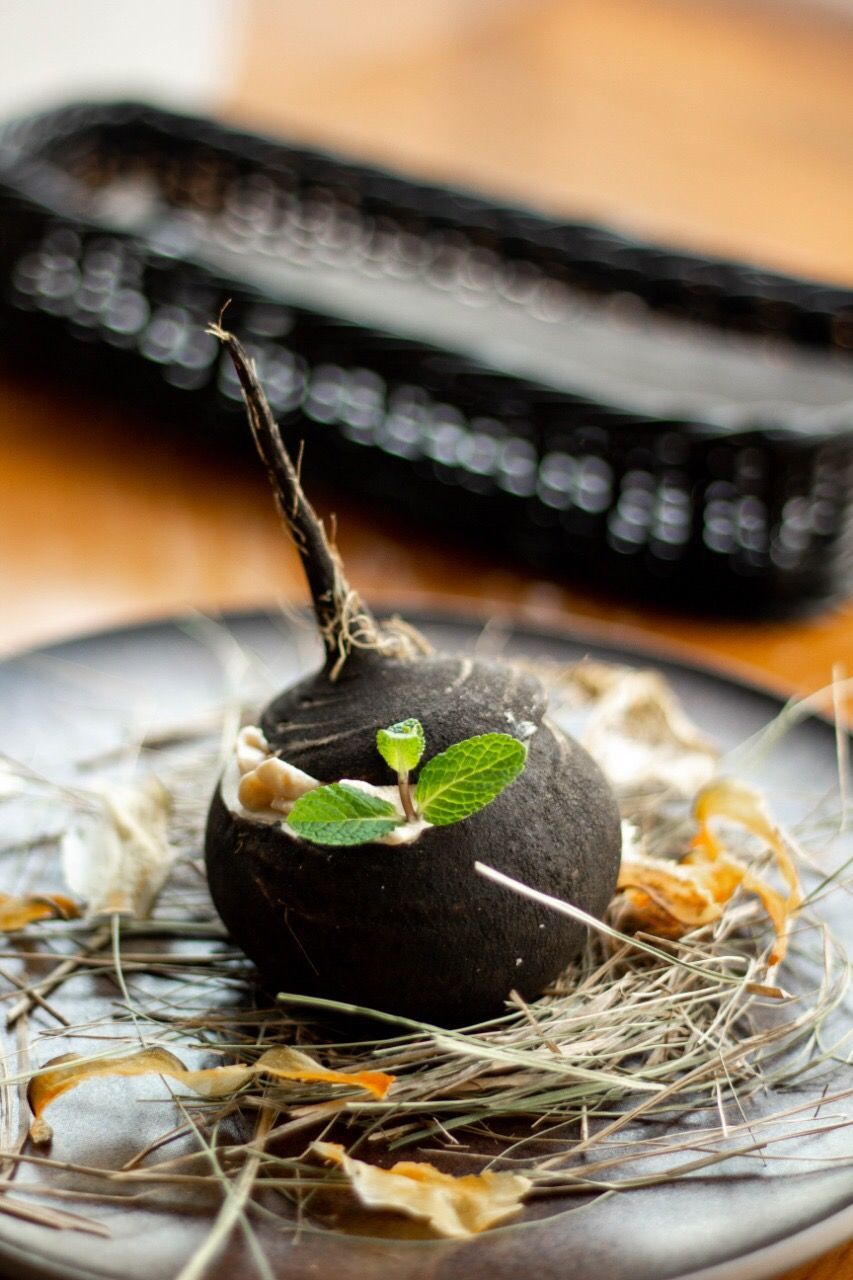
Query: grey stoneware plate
(743, 1221)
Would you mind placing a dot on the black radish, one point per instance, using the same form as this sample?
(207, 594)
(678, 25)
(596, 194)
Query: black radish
(394, 917)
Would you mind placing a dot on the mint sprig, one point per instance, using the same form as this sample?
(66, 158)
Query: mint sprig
(402, 745)
(468, 776)
(342, 815)
(452, 786)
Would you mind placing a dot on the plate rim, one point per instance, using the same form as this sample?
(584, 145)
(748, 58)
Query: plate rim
(766, 1263)
(450, 612)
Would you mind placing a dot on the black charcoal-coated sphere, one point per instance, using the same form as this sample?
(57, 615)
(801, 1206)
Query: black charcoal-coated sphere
(412, 929)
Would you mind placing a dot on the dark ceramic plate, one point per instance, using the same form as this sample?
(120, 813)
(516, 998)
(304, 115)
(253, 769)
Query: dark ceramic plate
(745, 1222)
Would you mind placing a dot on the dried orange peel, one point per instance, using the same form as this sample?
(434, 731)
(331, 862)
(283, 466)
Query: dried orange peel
(671, 898)
(453, 1207)
(283, 1063)
(17, 913)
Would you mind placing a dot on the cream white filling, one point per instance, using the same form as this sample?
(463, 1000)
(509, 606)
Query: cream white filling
(260, 785)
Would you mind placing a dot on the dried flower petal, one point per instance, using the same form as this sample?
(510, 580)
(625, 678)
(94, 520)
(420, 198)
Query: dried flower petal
(678, 888)
(639, 912)
(16, 913)
(735, 801)
(118, 859)
(670, 898)
(739, 803)
(454, 1207)
(642, 738)
(282, 1063)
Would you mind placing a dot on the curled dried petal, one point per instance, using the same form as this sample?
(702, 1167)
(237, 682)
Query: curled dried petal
(736, 802)
(675, 887)
(16, 913)
(454, 1207)
(670, 898)
(282, 1063)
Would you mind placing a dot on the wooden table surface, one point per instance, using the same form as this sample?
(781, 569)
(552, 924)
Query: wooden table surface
(728, 128)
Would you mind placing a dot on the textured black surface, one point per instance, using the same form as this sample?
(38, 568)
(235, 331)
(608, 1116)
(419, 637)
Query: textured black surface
(413, 929)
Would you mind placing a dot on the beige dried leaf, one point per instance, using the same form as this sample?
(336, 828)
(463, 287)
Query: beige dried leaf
(453, 1207)
(117, 858)
(641, 736)
(590, 679)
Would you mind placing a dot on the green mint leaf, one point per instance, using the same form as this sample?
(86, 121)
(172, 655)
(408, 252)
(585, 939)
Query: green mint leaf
(340, 815)
(468, 776)
(401, 745)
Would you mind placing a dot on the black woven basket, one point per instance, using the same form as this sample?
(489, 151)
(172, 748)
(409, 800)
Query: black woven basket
(675, 426)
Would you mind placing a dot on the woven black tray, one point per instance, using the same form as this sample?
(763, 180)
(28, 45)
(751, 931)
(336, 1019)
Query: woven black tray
(676, 426)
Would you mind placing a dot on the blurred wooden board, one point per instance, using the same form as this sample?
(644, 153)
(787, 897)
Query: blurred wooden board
(720, 125)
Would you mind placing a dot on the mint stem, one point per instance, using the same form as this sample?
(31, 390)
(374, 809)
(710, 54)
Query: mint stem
(406, 796)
